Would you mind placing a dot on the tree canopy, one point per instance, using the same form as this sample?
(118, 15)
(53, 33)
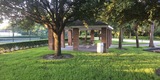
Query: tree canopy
(54, 14)
(50, 12)
(121, 12)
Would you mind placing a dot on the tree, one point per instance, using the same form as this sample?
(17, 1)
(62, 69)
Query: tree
(116, 13)
(154, 14)
(135, 11)
(135, 26)
(128, 30)
(26, 24)
(152, 8)
(138, 15)
(54, 14)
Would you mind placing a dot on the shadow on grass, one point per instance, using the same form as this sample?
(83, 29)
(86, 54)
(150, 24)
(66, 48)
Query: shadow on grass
(131, 64)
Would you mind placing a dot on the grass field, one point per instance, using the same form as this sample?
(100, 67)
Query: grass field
(114, 42)
(129, 64)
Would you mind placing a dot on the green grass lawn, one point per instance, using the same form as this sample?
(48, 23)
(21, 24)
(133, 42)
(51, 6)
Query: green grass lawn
(130, 64)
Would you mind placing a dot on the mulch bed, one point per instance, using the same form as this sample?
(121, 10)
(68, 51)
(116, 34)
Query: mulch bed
(157, 71)
(157, 50)
(52, 56)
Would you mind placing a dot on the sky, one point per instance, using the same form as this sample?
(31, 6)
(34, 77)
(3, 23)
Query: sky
(4, 24)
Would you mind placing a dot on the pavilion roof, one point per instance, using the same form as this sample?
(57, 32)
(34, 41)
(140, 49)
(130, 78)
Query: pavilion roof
(97, 25)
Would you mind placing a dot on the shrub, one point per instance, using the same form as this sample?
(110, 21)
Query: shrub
(21, 45)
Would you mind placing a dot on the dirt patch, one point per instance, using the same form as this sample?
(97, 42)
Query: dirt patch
(157, 71)
(52, 56)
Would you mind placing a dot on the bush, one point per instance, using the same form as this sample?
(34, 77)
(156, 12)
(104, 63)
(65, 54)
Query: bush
(21, 45)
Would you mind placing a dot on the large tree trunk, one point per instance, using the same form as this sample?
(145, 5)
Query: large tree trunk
(86, 36)
(120, 38)
(136, 33)
(57, 38)
(151, 44)
(137, 39)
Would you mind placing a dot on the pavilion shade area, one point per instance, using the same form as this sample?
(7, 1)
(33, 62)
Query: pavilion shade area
(74, 29)
(106, 30)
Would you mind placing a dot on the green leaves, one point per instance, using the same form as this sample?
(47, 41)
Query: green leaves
(123, 11)
(116, 11)
(54, 13)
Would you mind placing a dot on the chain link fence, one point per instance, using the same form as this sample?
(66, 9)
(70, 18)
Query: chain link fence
(19, 35)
